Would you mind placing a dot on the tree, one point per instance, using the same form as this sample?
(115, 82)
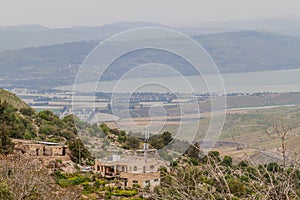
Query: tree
(23, 178)
(27, 111)
(6, 145)
(133, 142)
(227, 161)
(167, 137)
(156, 142)
(279, 129)
(160, 140)
(194, 151)
(78, 150)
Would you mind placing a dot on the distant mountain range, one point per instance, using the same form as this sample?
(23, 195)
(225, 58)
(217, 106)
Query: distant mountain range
(285, 26)
(22, 36)
(57, 61)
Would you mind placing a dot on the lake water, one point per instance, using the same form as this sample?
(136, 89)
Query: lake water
(270, 81)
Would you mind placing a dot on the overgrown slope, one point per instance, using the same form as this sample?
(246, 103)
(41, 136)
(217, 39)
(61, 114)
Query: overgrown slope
(12, 99)
(17, 120)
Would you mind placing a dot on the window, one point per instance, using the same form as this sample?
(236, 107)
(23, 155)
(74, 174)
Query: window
(135, 168)
(147, 182)
(151, 167)
(135, 182)
(156, 180)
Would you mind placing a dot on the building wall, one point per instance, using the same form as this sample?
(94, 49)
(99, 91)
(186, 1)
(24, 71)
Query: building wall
(142, 179)
(47, 151)
(127, 172)
(58, 151)
(33, 149)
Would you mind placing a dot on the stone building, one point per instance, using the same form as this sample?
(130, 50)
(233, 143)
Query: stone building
(134, 169)
(37, 148)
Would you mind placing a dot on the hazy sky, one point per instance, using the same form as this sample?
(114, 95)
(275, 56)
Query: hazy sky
(61, 13)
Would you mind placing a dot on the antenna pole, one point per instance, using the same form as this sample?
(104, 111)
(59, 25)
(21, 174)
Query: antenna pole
(146, 148)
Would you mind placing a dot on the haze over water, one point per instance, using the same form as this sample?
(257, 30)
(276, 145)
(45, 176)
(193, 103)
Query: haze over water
(269, 81)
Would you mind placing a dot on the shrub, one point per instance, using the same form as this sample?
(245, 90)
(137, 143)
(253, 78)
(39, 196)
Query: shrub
(27, 111)
(227, 161)
(5, 192)
(124, 193)
(236, 187)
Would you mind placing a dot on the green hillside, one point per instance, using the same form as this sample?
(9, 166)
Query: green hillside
(12, 99)
(19, 121)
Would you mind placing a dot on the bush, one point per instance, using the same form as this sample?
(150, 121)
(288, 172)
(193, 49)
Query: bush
(5, 192)
(227, 161)
(214, 155)
(27, 111)
(46, 115)
(77, 180)
(194, 161)
(133, 142)
(236, 187)
(28, 135)
(124, 193)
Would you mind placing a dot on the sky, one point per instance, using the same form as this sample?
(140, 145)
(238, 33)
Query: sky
(65, 13)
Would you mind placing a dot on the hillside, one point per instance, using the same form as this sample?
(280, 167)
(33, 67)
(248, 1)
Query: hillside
(249, 51)
(46, 67)
(12, 99)
(20, 121)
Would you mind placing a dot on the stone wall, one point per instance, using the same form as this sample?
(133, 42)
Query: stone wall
(34, 149)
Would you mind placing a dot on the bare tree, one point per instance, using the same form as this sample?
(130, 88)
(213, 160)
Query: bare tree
(27, 179)
(213, 180)
(279, 129)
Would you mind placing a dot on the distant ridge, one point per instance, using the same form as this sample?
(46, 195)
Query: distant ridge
(50, 66)
(23, 36)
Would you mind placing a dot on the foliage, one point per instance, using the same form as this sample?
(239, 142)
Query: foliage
(24, 178)
(24, 123)
(125, 193)
(133, 142)
(70, 180)
(194, 151)
(160, 140)
(227, 161)
(79, 151)
(6, 145)
(27, 111)
(5, 192)
(219, 179)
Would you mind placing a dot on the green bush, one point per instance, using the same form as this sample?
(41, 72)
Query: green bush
(227, 161)
(66, 180)
(28, 135)
(133, 142)
(125, 193)
(5, 192)
(46, 115)
(236, 187)
(27, 111)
